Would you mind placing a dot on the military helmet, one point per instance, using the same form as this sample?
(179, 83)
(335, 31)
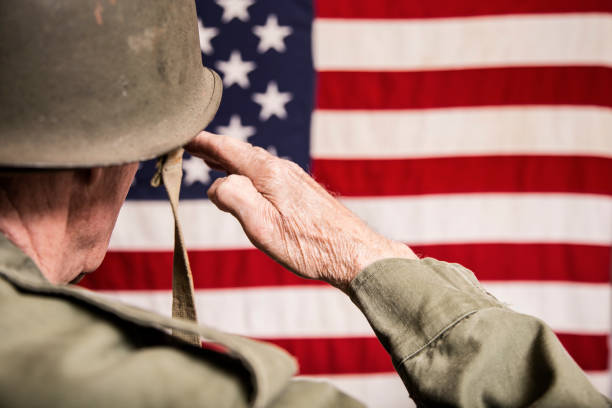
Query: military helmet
(94, 83)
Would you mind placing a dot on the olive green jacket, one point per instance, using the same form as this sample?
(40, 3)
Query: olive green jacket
(451, 343)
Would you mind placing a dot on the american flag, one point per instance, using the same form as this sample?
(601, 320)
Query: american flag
(476, 131)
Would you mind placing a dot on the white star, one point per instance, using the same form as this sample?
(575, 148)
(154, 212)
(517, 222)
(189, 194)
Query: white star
(235, 70)
(272, 102)
(235, 9)
(272, 35)
(206, 34)
(196, 170)
(235, 129)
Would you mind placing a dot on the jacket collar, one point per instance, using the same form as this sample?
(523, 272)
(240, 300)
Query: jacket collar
(270, 368)
(17, 266)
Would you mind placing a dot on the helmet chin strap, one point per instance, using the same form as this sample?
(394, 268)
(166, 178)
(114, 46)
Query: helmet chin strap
(169, 173)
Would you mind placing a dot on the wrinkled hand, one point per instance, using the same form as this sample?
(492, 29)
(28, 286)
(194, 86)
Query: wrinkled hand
(288, 215)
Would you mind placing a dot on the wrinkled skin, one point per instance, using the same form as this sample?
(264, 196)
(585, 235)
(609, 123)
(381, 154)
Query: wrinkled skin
(63, 219)
(288, 215)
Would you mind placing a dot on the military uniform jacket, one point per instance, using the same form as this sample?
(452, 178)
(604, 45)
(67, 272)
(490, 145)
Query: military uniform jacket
(451, 342)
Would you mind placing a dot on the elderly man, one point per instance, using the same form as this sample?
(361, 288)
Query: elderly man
(81, 104)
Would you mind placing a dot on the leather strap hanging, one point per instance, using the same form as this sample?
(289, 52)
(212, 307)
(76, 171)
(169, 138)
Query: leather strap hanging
(170, 172)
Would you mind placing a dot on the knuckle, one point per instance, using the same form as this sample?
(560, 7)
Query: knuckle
(293, 166)
(271, 166)
(231, 182)
(259, 151)
(275, 168)
(233, 178)
(236, 184)
(259, 155)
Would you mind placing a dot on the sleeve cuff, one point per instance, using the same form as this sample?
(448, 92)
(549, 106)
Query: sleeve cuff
(410, 303)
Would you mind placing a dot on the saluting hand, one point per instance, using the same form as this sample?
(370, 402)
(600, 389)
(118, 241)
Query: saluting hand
(288, 215)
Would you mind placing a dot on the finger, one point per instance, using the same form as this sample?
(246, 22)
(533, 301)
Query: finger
(212, 192)
(237, 195)
(214, 166)
(230, 154)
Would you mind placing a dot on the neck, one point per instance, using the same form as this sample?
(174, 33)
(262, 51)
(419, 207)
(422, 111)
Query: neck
(63, 219)
(36, 219)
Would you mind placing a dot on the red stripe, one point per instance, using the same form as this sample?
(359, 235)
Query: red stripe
(251, 268)
(345, 90)
(394, 9)
(527, 262)
(212, 269)
(325, 355)
(473, 174)
(590, 352)
(362, 355)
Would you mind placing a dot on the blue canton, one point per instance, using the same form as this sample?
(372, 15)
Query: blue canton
(262, 51)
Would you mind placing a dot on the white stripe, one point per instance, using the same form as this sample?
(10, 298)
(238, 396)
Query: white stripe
(567, 307)
(462, 131)
(556, 39)
(453, 218)
(326, 312)
(464, 218)
(148, 225)
(387, 390)
(267, 312)
(374, 390)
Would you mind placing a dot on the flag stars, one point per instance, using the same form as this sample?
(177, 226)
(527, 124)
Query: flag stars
(272, 102)
(271, 35)
(236, 129)
(235, 9)
(196, 170)
(235, 70)
(206, 35)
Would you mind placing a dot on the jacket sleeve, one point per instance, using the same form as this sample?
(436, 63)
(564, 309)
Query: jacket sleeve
(453, 344)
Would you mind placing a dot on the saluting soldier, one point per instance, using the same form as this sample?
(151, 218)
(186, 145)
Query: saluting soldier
(85, 96)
